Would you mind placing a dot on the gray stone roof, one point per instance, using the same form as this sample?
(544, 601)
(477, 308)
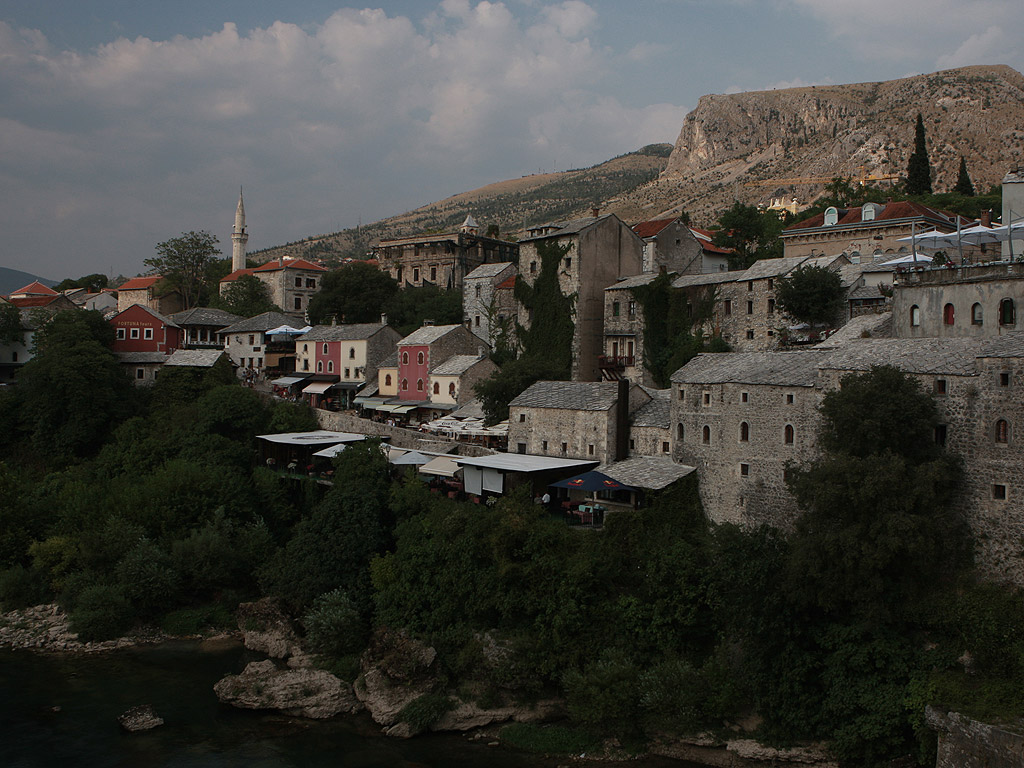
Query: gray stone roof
(344, 332)
(648, 472)
(772, 267)
(710, 278)
(1008, 345)
(788, 369)
(634, 281)
(195, 358)
(654, 413)
(205, 316)
(573, 227)
(472, 409)
(391, 361)
(569, 395)
(876, 326)
(456, 365)
(142, 357)
(865, 292)
(263, 322)
(488, 270)
(428, 334)
(955, 357)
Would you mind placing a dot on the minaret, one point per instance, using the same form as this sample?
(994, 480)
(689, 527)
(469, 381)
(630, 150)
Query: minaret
(239, 237)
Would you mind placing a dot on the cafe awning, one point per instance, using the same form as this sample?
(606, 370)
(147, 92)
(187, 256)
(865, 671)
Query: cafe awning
(287, 381)
(317, 387)
(440, 465)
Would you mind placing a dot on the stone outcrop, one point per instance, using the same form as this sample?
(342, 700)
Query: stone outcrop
(396, 670)
(266, 628)
(966, 743)
(46, 628)
(140, 718)
(740, 753)
(311, 693)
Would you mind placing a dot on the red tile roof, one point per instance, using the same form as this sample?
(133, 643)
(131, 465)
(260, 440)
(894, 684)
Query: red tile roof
(236, 274)
(31, 301)
(506, 284)
(904, 209)
(271, 266)
(140, 283)
(651, 228)
(35, 288)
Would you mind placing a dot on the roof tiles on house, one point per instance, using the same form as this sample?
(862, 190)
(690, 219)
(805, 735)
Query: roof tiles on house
(654, 413)
(273, 266)
(428, 334)
(710, 278)
(149, 310)
(648, 472)
(573, 227)
(903, 209)
(634, 281)
(140, 283)
(787, 369)
(195, 358)
(263, 322)
(763, 268)
(957, 357)
(646, 229)
(343, 332)
(35, 288)
(489, 270)
(569, 395)
(1007, 345)
(205, 316)
(456, 365)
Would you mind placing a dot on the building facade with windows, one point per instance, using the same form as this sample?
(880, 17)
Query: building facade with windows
(427, 348)
(291, 282)
(246, 341)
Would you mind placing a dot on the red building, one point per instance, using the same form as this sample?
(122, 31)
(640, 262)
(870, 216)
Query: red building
(422, 350)
(141, 329)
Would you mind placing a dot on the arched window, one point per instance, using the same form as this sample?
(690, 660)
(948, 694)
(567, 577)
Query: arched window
(405, 385)
(437, 388)
(915, 315)
(451, 388)
(679, 432)
(320, 366)
(976, 314)
(325, 348)
(706, 436)
(387, 380)
(1002, 431)
(744, 432)
(330, 366)
(1007, 312)
(947, 314)
(419, 358)
(405, 358)
(787, 435)
(419, 385)
(351, 353)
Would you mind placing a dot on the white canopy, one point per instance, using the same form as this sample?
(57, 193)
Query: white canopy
(317, 387)
(441, 465)
(289, 330)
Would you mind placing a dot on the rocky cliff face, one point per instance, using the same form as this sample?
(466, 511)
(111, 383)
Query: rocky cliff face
(752, 146)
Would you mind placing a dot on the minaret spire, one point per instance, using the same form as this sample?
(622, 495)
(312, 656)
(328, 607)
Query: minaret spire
(239, 236)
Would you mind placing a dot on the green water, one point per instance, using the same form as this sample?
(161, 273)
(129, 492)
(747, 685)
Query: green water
(61, 710)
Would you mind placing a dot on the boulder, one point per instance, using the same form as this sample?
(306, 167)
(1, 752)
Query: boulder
(466, 716)
(305, 692)
(396, 670)
(140, 718)
(266, 628)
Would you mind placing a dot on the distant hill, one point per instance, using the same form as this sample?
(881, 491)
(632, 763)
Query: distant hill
(13, 279)
(750, 147)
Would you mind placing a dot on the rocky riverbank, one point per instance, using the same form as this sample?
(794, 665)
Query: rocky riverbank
(45, 628)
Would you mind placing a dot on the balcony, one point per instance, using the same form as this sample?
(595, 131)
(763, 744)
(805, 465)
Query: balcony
(615, 363)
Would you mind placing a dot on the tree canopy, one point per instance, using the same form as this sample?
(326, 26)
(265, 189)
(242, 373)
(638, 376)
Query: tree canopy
(963, 180)
(811, 294)
(184, 262)
(751, 233)
(247, 296)
(919, 172)
(355, 293)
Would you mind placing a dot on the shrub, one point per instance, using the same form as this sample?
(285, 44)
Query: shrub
(22, 587)
(424, 711)
(102, 613)
(193, 621)
(546, 739)
(334, 625)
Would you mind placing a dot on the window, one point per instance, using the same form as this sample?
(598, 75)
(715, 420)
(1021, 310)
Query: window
(387, 380)
(351, 353)
(14, 357)
(133, 333)
(750, 285)
(940, 386)
(120, 334)
(476, 320)
(419, 358)
(915, 316)
(147, 333)
(707, 398)
(419, 385)
(744, 432)
(790, 399)
(1007, 312)
(330, 366)
(771, 306)
(1004, 379)
(565, 448)
(416, 275)
(744, 470)
(568, 262)
(682, 394)
(311, 283)
(433, 274)
(522, 417)
(1002, 431)
(405, 385)
(521, 447)
(976, 314)
(140, 373)
(680, 431)
(533, 267)
(947, 315)
(348, 373)
(320, 366)
(750, 335)
(437, 388)
(451, 389)
(298, 282)
(477, 291)
(632, 308)
(305, 366)
(728, 307)
(323, 349)
(706, 435)
(771, 283)
(788, 435)
(665, 447)
(405, 358)
(999, 492)
(744, 397)
(615, 309)
(632, 444)
(590, 449)
(544, 445)
(750, 307)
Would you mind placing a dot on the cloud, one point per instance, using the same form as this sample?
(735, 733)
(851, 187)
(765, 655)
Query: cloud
(365, 114)
(992, 46)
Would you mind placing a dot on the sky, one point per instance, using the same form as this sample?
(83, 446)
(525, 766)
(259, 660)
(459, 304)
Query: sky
(124, 124)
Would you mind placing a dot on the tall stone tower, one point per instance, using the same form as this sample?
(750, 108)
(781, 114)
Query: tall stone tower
(239, 236)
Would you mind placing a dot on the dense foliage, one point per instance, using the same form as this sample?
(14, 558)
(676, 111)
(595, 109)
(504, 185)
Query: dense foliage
(919, 171)
(752, 234)
(184, 263)
(811, 294)
(247, 296)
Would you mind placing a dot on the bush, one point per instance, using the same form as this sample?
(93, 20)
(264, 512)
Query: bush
(546, 739)
(194, 621)
(334, 625)
(102, 613)
(604, 695)
(424, 711)
(22, 587)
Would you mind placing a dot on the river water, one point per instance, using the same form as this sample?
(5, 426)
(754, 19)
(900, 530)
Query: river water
(62, 709)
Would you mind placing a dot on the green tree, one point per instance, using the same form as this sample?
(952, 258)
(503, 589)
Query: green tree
(356, 293)
(409, 307)
(10, 324)
(247, 296)
(811, 294)
(751, 233)
(919, 172)
(184, 261)
(963, 180)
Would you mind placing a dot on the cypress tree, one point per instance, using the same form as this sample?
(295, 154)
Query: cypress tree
(963, 182)
(919, 172)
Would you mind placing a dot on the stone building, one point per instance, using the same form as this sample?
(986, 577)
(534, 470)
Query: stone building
(602, 250)
(623, 356)
(291, 282)
(247, 341)
(425, 349)
(969, 301)
(649, 429)
(201, 326)
(150, 292)
(347, 356)
(866, 232)
(1013, 209)
(443, 260)
(452, 381)
(671, 244)
(740, 417)
(483, 304)
(575, 419)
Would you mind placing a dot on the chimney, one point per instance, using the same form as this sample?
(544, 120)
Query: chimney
(334, 319)
(595, 212)
(383, 318)
(280, 262)
(986, 218)
(427, 323)
(622, 421)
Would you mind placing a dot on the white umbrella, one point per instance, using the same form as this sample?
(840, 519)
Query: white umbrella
(981, 235)
(931, 239)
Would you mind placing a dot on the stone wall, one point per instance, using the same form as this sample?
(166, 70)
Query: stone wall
(752, 323)
(966, 743)
(587, 435)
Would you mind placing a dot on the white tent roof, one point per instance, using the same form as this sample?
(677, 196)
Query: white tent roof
(441, 465)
